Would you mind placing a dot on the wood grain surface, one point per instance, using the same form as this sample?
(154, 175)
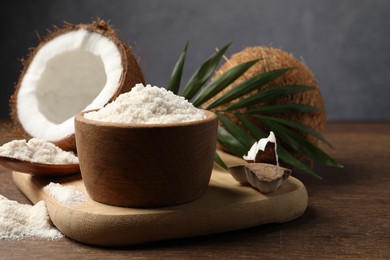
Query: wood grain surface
(225, 206)
(347, 217)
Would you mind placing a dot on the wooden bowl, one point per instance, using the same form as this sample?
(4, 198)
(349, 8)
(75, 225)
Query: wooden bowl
(146, 165)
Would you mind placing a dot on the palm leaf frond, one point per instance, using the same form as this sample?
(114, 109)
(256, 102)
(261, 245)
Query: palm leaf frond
(175, 79)
(284, 155)
(242, 136)
(238, 137)
(248, 86)
(231, 142)
(297, 126)
(222, 82)
(301, 144)
(284, 109)
(203, 73)
(220, 162)
(267, 96)
(291, 160)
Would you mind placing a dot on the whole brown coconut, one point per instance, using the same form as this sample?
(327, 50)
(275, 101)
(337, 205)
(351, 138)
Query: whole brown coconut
(272, 59)
(74, 68)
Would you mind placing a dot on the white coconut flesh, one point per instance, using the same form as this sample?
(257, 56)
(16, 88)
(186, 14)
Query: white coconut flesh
(75, 71)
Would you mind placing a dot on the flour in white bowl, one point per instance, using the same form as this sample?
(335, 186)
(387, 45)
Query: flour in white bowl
(147, 105)
(38, 151)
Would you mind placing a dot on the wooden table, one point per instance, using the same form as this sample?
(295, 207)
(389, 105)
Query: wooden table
(348, 215)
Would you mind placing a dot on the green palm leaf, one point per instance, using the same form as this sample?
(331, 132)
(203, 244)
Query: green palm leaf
(174, 81)
(247, 86)
(203, 74)
(230, 142)
(237, 138)
(291, 160)
(220, 162)
(267, 95)
(296, 125)
(242, 136)
(283, 154)
(300, 144)
(253, 129)
(222, 82)
(283, 108)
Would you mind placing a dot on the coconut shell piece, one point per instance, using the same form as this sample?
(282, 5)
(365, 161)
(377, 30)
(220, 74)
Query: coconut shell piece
(238, 173)
(265, 177)
(263, 151)
(268, 155)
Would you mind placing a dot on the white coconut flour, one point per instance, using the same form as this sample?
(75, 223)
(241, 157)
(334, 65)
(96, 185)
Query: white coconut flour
(21, 220)
(147, 105)
(67, 195)
(37, 150)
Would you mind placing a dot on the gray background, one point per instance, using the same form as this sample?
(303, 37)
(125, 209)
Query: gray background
(346, 43)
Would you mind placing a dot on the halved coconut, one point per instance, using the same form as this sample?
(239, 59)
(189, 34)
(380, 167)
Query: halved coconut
(76, 68)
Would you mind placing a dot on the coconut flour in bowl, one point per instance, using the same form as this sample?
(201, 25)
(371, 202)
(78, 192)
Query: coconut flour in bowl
(147, 105)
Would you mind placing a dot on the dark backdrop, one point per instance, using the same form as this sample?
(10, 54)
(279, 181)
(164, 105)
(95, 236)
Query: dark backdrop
(346, 43)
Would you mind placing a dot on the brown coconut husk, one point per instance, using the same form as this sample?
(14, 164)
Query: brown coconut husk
(272, 59)
(131, 74)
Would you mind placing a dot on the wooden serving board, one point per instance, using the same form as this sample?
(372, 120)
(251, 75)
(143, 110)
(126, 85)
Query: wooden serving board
(225, 206)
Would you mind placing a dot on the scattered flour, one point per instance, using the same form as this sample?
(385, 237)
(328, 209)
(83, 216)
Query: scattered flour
(65, 194)
(21, 220)
(37, 150)
(147, 105)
